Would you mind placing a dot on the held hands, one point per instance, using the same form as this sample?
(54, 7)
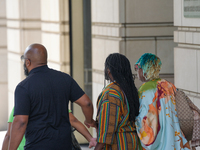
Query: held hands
(91, 124)
(93, 141)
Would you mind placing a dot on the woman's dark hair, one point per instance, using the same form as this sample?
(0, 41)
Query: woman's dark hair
(120, 69)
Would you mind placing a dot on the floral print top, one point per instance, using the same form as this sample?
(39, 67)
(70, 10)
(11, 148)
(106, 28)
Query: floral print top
(157, 123)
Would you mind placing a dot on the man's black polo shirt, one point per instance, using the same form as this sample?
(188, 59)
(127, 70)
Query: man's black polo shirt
(44, 96)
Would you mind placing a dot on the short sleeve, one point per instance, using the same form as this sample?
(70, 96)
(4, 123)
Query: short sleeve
(144, 128)
(108, 119)
(22, 101)
(75, 91)
(11, 116)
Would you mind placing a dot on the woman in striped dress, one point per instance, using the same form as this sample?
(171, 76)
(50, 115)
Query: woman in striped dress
(118, 105)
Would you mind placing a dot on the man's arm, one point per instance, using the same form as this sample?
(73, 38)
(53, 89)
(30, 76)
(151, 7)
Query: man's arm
(7, 137)
(17, 131)
(87, 108)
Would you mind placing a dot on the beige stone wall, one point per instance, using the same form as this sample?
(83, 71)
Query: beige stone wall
(24, 22)
(55, 33)
(78, 57)
(23, 29)
(3, 66)
(131, 27)
(187, 53)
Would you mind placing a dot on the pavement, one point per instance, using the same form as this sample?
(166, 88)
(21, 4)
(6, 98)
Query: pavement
(85, 147)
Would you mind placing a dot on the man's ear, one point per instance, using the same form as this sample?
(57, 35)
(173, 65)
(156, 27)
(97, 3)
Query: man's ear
(28, 62)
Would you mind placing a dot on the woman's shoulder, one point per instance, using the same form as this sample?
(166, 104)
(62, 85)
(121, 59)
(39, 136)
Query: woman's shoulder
(164, 83)
(154, 84)
(113, 91)
(115, 86)
(149, 85)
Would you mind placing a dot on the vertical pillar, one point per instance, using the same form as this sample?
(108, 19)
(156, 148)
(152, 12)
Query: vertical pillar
(187, 53)
(87, 47)
(55, 33)
(78, 55)
(55, 36)
(23, 29)
(3, 66)
(131, 27)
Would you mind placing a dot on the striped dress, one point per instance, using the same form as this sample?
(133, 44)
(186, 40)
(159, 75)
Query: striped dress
(114, 127)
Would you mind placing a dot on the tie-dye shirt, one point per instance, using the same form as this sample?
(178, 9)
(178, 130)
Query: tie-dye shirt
(157, 124)
(114, 127)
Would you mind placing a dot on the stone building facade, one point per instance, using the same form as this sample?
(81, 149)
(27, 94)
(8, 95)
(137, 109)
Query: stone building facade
(187, 52)
(80, 34)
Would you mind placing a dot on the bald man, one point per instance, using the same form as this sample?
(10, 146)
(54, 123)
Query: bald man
(41, 104)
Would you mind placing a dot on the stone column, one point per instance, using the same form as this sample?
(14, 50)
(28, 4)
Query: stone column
(79, 60)
(55, 36)
(55, 33)
(23, 29)
(187, 53)
(131, 27)
(3, 66)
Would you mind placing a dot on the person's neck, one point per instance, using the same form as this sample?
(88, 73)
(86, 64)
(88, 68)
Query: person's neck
(35, 66)
(111, 79)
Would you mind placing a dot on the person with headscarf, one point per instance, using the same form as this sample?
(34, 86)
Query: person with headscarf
(118, 105)
(157, 123)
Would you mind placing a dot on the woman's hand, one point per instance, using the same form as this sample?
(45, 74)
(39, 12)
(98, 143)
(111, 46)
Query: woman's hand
(92, 124)
(92, 142)
(99, 146)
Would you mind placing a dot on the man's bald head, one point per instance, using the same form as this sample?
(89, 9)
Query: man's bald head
(37, 54)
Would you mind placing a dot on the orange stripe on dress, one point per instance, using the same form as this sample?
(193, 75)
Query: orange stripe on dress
(122, 140)
(103, 120)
